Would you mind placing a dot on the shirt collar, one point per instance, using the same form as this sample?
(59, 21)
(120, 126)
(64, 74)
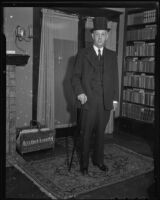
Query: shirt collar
(96, 49)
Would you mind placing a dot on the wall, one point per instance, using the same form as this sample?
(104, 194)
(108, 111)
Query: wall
(120, 56)
(22, 16)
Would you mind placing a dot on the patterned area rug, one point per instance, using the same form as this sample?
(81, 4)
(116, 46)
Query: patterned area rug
(52, 174)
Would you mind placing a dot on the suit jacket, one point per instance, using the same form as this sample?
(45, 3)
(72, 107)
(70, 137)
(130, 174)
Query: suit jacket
(83, 73)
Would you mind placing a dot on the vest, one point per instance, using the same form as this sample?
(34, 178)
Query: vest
(98, 77)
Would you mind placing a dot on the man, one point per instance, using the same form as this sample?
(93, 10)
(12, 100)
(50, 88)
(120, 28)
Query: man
(95, 83)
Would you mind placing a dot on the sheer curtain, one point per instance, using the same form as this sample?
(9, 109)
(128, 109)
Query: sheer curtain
(57, 28)
(45, 100)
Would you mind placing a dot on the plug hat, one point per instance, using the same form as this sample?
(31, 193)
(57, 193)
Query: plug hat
(100, 23)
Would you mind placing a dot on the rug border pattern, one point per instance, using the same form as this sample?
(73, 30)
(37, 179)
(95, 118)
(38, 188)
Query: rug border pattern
(54, 192)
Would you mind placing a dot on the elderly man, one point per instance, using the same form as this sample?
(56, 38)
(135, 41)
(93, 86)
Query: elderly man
(95, 83)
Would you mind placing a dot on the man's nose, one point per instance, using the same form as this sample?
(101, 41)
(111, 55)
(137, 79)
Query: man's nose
(99, 37)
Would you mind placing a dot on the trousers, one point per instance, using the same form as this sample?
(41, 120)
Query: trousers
(93, 121)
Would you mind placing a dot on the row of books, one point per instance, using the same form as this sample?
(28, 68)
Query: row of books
(144, 65)
(140, 49)
(137, 112)
(139, 81)
(148, 16)
(139, 96)
(147, 33)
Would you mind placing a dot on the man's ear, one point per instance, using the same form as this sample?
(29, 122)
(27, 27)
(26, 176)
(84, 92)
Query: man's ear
(107, 34)
(92, 35)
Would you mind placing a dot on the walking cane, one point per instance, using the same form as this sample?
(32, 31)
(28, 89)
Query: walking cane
(78, 129)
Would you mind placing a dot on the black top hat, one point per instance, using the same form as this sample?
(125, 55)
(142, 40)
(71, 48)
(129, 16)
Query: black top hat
(100, 23)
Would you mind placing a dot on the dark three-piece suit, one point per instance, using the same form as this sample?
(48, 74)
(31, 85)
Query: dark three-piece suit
(98, 80)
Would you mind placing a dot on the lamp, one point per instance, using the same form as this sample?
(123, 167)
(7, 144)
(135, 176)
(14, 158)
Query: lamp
(22, 34)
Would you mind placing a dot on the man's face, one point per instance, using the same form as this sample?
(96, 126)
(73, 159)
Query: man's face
(99, 37)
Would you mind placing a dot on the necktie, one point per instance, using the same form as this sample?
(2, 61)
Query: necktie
(99, 54)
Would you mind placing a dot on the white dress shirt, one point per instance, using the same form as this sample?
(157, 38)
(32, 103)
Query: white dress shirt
(96, 50)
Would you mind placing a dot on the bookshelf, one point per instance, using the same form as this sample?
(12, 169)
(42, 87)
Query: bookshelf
(138, 76)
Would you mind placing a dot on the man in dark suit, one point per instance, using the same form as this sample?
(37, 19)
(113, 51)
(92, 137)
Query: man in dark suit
(95, 83)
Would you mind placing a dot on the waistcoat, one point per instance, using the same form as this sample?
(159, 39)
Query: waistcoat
(98, 77)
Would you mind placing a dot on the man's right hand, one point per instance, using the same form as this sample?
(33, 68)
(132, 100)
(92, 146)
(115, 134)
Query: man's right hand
(82, 98)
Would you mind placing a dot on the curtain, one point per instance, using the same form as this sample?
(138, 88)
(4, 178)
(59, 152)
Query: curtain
(45, 104)
(55, 50)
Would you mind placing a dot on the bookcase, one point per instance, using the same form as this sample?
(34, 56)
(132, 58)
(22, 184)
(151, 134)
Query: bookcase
(138, 73)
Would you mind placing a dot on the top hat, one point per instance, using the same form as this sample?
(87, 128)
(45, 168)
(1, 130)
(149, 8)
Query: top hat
(100, 23)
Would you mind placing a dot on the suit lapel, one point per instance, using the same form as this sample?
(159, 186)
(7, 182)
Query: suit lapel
(92, 57)
(106, 60)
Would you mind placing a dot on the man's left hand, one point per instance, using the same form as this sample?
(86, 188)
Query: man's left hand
(115, 105)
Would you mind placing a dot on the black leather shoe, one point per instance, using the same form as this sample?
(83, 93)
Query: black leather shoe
(101, 167)
(84, 171)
